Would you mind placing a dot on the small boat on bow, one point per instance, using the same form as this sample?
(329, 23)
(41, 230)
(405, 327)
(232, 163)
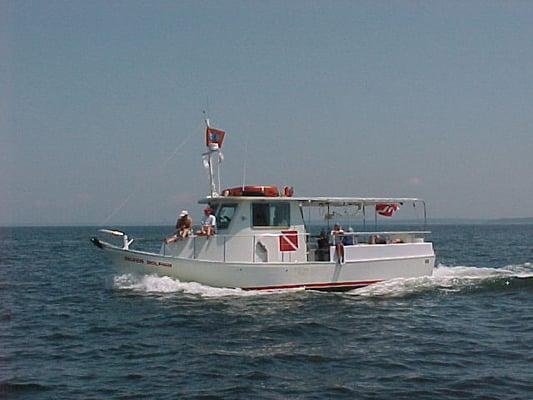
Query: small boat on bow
(263, 240)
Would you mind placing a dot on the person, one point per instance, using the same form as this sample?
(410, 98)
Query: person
(348, 240)
(337, 234)
(380, 240)
(209, 224)
(323, 246)
(184, 224)
(376, 239)
(183, 227)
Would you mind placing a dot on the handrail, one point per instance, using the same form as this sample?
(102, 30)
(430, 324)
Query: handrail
(386, 233)
(197, 252)
(310, 235)
(256, 235)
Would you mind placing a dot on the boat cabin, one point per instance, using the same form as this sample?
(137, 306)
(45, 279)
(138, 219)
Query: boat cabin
(263, 228)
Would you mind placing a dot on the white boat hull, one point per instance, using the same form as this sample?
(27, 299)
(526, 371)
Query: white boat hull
(401, 263)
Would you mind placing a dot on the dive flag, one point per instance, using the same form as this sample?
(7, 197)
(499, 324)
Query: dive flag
(387, 209)
(214, 136)
(288, 241)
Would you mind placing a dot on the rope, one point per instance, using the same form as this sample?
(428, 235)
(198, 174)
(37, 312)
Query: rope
(140, 184)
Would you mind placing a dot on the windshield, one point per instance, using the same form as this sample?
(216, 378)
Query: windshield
(225, 215)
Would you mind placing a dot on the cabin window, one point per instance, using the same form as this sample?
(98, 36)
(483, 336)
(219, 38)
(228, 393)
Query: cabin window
(270, 214)
(225, 215)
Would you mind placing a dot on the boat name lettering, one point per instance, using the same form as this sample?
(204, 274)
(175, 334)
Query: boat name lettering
(148, 262)
(158, 263)
(134, 259)
(163, 264)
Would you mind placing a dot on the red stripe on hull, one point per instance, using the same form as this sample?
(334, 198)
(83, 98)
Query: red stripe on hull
(329, 285)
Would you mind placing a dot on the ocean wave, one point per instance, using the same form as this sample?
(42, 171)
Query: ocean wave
(21, 388)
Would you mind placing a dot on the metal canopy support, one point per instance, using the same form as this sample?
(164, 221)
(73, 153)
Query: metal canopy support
(425, 215)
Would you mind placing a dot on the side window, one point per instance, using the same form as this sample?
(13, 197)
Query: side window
(280, 214)
(271, 214)
(260, 214)
(225, 215)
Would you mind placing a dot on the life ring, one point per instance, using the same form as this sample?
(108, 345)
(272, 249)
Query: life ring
(253, 191)
(288, 191)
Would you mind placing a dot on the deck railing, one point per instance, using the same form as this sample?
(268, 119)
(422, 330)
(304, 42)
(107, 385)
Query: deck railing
(388, 237)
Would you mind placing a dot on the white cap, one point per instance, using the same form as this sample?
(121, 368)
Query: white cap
(183, 213)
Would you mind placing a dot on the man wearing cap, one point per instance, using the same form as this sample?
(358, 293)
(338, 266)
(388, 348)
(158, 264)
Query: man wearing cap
(183, 227)
(184, 224)
(209, 224)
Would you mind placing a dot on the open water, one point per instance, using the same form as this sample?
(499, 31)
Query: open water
(71, 329)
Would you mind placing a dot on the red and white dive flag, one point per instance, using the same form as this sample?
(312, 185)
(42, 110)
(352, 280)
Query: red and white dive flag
(288, 241)
(387, 209)
(213, 135)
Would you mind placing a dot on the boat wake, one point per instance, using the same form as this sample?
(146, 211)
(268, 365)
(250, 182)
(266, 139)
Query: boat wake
(158, 285)
(444, 279)
(452, 279)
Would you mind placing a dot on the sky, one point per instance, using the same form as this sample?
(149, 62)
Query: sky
(102, 104)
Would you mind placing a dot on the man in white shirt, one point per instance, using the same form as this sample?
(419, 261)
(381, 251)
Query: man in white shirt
(209, 224)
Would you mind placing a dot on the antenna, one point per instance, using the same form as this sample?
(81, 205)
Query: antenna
(206, 111)
(206, 117)
(244, 162)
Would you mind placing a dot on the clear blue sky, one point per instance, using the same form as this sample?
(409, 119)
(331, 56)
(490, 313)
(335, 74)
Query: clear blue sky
(426, 99)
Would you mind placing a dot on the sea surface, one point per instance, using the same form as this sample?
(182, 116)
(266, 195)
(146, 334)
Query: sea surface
(72, 329)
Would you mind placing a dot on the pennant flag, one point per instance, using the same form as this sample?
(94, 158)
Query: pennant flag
(214, 136)
(387, 209)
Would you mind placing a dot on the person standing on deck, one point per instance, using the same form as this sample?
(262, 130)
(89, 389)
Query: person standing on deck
(337, 234)
(323, 246)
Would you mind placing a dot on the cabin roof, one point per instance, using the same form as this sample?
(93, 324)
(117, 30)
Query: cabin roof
(313, 201)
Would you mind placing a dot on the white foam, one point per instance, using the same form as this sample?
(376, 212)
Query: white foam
(163, 285)
(446, 279)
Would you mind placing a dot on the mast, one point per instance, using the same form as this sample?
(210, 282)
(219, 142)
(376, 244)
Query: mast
(213, 157)
(212, 188)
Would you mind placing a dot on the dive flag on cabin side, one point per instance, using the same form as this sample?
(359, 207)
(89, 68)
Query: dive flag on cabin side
(387, 209)
(288, 241)
(213, 135)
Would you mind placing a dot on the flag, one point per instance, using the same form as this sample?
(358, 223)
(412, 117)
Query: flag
(387, 209)
(214, 136)
(288, 241)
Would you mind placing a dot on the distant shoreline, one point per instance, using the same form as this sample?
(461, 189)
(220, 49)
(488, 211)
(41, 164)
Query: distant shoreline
(382, 222)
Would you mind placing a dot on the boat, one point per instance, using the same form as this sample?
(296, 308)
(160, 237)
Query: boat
(263, 240)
